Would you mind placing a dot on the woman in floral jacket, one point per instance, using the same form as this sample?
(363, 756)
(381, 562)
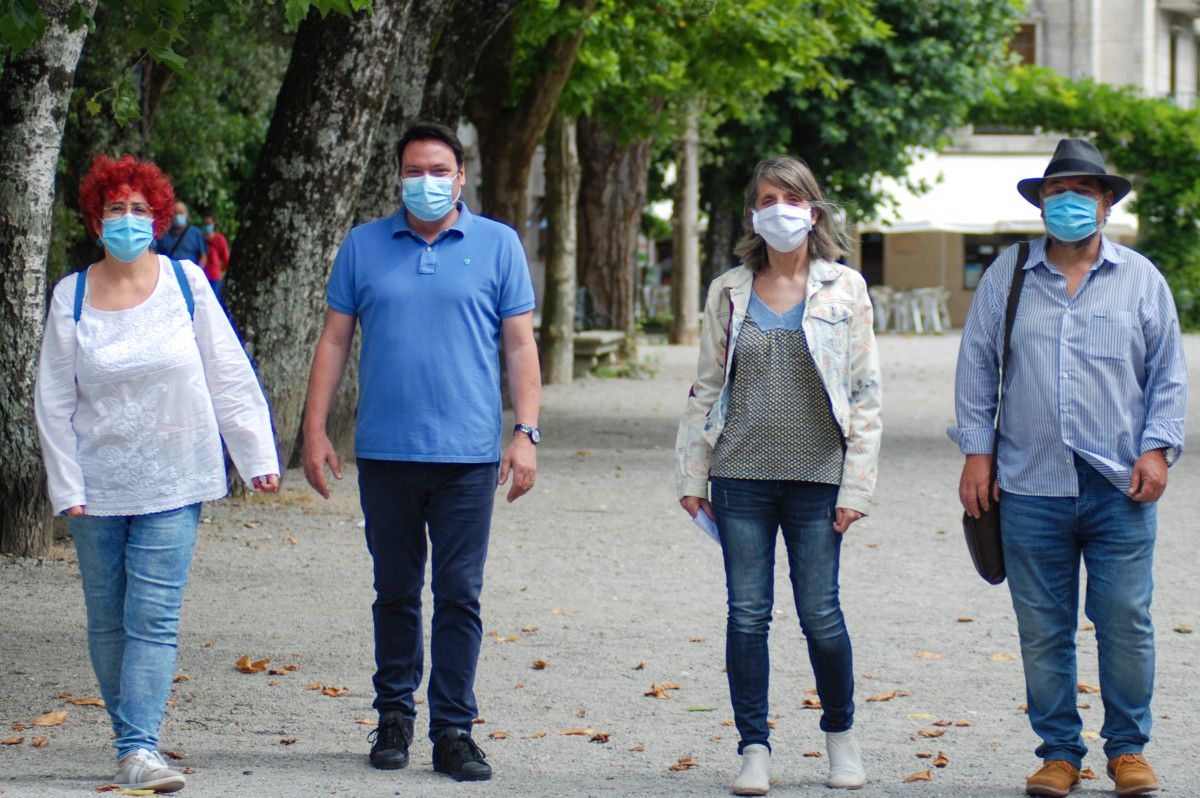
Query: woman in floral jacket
(783, 423)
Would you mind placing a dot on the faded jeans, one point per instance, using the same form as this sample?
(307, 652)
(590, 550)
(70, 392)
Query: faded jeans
(134, 570)
(750, 514)
(1044, 538)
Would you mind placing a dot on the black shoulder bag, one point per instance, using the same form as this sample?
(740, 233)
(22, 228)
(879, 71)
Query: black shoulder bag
(983, 533)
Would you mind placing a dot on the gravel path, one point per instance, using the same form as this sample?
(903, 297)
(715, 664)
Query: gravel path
(598, 573)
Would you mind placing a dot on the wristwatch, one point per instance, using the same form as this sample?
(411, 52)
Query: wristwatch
(534, 433)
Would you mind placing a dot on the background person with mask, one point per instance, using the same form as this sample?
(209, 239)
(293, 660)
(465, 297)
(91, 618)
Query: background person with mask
(182, 241)
(217, 262)
(140, 378)
(1094, 401)
(783, 423)
(436, 289)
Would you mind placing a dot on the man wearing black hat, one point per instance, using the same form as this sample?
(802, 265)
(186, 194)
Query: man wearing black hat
(1095, 394)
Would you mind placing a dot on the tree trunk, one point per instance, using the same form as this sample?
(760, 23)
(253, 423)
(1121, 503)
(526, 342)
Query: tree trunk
(724, 227)
(303, 201)
(685, 271)
(562, 199)
(509, 134)
(34, 90)
(452, 69)
(612, 195)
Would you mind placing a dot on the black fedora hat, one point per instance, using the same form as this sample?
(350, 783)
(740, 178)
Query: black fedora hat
(1074, 158)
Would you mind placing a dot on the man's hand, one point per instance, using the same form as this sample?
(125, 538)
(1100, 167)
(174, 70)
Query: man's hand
(1149, 478)
(694, 504)
(79, 509)
(521, 459)
(318, 450)
(973, 485)
(843, 518)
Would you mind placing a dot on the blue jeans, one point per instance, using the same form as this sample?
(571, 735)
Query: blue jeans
(134, 569)
(1044, 538)
(454, 501)
(750, 514)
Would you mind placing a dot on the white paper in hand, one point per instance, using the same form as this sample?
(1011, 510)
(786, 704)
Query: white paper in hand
(709, 526)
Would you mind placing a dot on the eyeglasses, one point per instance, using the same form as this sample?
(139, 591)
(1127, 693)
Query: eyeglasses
(114, 210)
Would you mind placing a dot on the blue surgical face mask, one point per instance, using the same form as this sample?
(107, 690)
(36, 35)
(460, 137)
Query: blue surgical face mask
(427, 197)
(181, 220)
(127, 237)
(210, 228)
(1070, 216)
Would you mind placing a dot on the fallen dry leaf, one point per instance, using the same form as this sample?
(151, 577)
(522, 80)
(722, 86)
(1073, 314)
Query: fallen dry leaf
(314, 686)
(39, 742)
(367, 722)
(728, 723)
(534, 736)
(641, 666)
(509, 639)
(107, 788)
(660, 690)
(931, 732)
(941, 760)
(288, 741)
(1004, 657)
(188, 771)
(1183, 629)
(920, 716)
(578, 732)
(136, 792)
(207, 644)
(291, 667)
(50, 719)
(183, 677)
(334, 692)
(581, 713)
(278, 671)
(1084, 687)
(1087, 773)
(924, 755)
(888, 696)
(964, 723)
(498, 735)
(695, 639)
(812, 703)
(942, 723)
(928, 655)
(519, 686)
(684, 763)
(479, 720)
(1083, 705)
(561, 611)
(815, 754)
(12, 741)
(924, 775)
(64, 695)
(529, 629)
(965, 619)
(1090, 735)
(245, 665)
(771, 725)
(273, 683)
(1087, 627)
(174, 755)
(289, 539)
(599, 737)
(583, 452)
(540, 664)
(637, 749)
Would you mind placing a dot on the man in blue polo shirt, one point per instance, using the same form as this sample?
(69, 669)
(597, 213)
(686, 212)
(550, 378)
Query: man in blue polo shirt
(182, 241)
(436, 290)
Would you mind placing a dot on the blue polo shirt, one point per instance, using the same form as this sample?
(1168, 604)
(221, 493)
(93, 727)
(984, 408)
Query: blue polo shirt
(429, 370)
(190, 247)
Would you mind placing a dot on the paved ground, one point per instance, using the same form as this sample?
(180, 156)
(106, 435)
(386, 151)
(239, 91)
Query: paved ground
(600, 574)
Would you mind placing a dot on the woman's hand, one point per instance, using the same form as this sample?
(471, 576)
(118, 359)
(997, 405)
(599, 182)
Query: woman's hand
(843, 518)
(268, 483)
(694, 504)
(78, 509)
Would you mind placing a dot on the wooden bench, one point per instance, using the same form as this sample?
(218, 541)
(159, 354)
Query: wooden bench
(593, 347)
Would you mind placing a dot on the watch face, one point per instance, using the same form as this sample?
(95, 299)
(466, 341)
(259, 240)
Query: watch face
(535, 435)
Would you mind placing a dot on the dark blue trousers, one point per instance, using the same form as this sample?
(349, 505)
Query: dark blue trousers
(401, 501)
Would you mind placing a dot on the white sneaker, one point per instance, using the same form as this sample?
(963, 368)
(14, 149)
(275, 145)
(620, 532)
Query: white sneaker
(845, 760)
(755, 778)
(147, 770)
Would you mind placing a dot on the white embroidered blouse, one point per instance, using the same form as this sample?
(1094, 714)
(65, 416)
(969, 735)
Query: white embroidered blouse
(131, 405)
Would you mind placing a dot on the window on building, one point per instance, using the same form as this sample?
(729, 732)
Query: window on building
(1024, 44)
(871, 255)
(980, 251)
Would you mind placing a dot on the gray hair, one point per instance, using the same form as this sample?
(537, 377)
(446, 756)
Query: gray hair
(828, 239)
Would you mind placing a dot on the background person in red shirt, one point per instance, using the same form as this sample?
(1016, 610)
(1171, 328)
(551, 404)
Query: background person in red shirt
(218, 254)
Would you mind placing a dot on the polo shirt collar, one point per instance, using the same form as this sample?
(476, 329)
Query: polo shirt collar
(462, 224)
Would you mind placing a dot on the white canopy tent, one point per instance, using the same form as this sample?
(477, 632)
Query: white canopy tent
(975, 193)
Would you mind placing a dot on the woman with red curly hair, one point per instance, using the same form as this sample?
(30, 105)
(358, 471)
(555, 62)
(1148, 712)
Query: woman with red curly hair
(141, 376)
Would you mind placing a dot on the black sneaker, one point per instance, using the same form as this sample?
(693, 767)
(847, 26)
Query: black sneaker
(457, 755)
(390, 741)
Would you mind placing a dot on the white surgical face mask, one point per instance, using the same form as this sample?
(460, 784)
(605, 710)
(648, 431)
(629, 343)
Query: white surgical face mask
(784, 227)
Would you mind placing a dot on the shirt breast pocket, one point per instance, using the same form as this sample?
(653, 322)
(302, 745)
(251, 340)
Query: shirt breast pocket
(831, 327)
(1110, 334)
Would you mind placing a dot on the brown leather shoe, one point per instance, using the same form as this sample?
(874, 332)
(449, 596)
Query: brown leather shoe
(1133, 774)
(1055, 778)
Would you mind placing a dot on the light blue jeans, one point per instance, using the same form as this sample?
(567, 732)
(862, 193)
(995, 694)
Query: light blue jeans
(134, 570)
(1044, 539)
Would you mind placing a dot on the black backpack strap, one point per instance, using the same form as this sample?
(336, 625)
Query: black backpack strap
(1010, 315)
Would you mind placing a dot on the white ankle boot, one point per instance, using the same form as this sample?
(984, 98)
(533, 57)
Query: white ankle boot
(845, 760)
(755, 778)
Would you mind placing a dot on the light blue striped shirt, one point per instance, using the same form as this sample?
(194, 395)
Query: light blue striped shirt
(1100, 374)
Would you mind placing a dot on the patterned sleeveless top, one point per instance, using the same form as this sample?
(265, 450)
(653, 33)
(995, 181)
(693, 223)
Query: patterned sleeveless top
(779, 424)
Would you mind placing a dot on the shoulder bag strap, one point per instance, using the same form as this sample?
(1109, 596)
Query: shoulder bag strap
(80, 286)
(185, 288)
(1010, 314)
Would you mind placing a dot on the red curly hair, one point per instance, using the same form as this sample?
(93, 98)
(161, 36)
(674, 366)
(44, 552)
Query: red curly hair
(110, 180)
